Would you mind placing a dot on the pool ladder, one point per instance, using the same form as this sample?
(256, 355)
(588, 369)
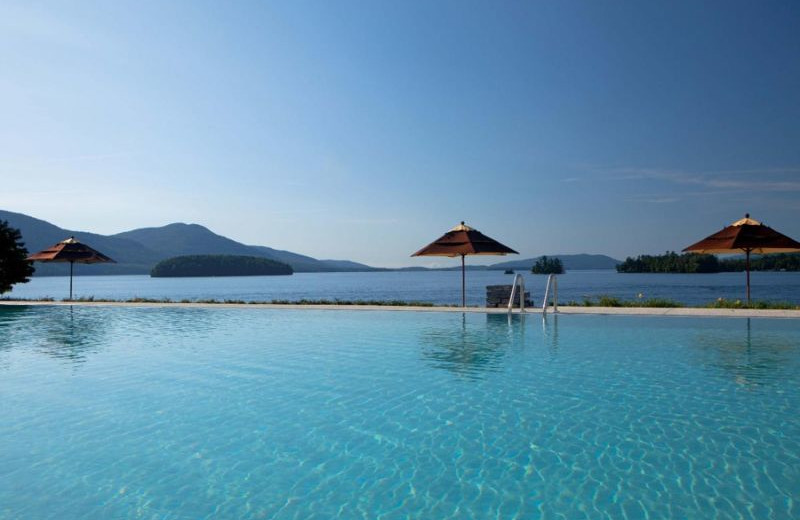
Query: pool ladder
(552, 281)
(518, 282)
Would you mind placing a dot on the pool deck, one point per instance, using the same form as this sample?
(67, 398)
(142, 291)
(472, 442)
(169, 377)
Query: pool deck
(628, 311)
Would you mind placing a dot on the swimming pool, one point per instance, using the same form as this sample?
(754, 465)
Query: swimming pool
(191, 413)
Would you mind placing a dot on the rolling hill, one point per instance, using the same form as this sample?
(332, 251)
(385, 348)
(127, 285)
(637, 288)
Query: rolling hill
(132, 257)
(138, 250)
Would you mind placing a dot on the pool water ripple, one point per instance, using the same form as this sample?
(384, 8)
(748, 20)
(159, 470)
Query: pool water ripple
(252, 413)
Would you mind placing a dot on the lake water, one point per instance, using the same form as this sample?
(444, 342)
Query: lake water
(437, 287)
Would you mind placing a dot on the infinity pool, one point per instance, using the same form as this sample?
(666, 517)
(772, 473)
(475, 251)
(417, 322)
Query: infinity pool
(188, 413)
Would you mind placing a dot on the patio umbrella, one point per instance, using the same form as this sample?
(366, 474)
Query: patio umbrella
(460, 241)
(748, 236)
(70, 250)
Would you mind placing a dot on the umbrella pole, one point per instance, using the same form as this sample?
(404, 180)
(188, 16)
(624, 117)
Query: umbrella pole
(463, 284)
(70, 280)
(747, 268)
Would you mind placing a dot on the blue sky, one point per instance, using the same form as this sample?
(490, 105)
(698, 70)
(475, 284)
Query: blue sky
(364, 130)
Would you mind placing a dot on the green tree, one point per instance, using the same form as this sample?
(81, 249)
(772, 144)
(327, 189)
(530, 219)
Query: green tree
(546, 265)
(14, 268)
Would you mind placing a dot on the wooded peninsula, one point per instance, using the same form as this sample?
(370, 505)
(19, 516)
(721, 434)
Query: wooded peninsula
(671, 262)
(219, 265)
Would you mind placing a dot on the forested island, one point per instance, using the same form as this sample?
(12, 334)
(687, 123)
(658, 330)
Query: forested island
(546, 265)
(672, 262)
(219, 265)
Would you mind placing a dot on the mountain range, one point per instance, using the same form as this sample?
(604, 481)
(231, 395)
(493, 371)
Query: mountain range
(138, 250)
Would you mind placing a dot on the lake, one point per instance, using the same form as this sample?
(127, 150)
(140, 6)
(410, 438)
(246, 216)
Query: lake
(437, 287)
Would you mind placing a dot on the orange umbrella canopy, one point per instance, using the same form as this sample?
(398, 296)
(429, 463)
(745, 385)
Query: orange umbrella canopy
(70, 250)
(464, 240)
(746, 236)
(460, 241)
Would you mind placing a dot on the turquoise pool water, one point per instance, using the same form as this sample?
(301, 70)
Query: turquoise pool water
(248, 413)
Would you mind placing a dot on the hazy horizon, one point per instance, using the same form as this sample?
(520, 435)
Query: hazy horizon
(365, 130)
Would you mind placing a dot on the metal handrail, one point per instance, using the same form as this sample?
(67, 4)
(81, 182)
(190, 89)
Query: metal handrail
(552, 280)
(518, 281)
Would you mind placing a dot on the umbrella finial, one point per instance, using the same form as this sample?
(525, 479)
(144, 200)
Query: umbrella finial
(462, 227)
(746, 221)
